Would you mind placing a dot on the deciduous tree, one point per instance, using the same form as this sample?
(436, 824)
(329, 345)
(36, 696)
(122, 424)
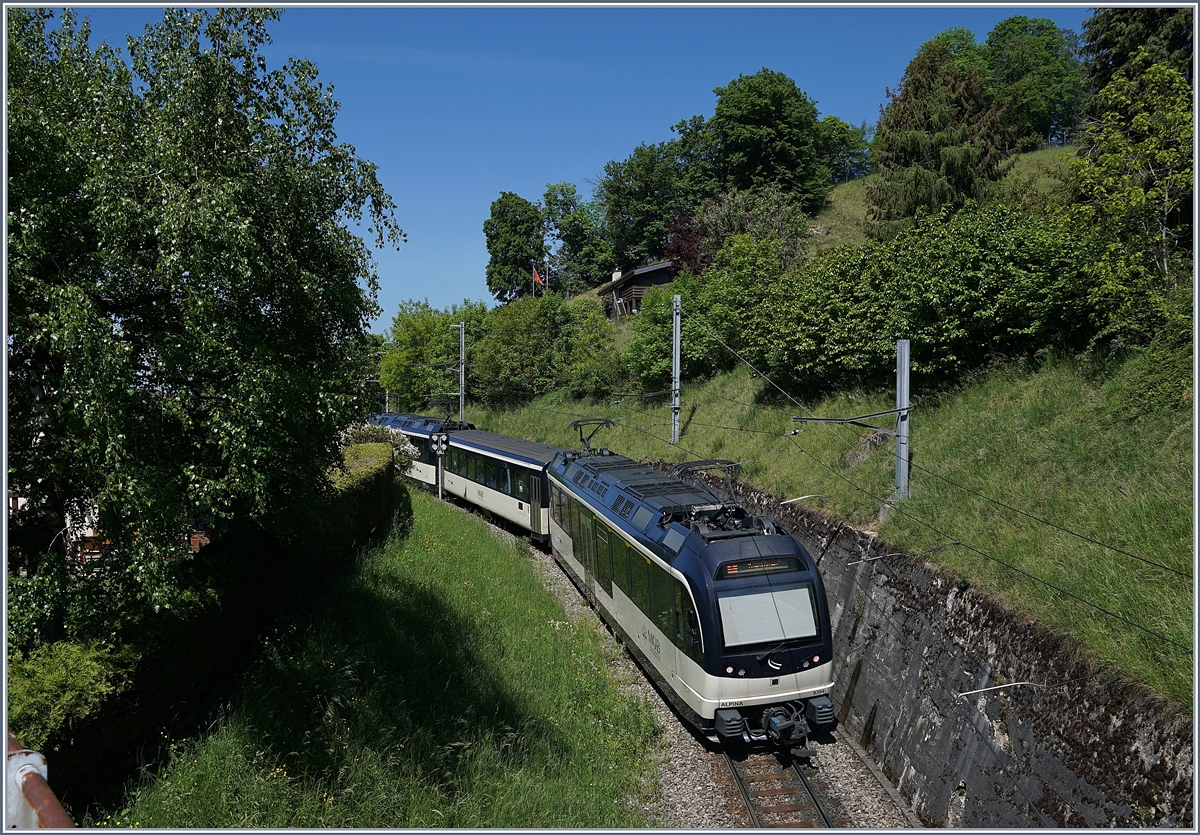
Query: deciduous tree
(766, 212)
(515, 232)
(421, 342)
(1034, 72)
(766, 131)
(1135, 174)
(187, 299)
(580, 255)
(846, 149)
(639, 196)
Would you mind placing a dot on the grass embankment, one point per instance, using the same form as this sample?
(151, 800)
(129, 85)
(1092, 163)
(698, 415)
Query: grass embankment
(1050, 442)
(437, 684)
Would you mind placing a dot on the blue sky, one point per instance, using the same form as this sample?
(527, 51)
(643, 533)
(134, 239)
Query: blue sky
(456, 105)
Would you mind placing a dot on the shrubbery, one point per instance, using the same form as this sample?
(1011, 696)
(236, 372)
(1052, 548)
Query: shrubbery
(226, 593)
(989, 280)
(59, 685)
(965, 287)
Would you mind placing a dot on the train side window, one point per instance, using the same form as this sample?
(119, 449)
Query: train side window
(521, 480)
(506, 479)
(555, 499)
(662, 600)
(584, 541)
(492, 475)
(620, 554)
(472, 466)
(687, 635)
(641, 589)
(603, 557)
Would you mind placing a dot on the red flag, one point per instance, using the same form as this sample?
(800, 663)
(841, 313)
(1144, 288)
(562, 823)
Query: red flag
(537, 277)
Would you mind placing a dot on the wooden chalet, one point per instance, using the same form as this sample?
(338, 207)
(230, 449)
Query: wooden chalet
(627, 288)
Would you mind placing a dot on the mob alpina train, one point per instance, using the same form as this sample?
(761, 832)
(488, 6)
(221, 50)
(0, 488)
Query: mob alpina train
(726, 613)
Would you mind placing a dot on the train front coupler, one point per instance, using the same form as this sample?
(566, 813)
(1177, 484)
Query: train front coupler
(786, 727)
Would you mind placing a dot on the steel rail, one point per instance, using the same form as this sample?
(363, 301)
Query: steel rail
(741, 786)
(812, 792)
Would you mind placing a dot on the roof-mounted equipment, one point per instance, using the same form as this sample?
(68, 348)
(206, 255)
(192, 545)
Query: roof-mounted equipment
(599, 423)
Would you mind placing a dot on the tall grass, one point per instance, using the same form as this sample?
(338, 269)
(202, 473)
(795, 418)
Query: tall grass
(1044, 440)
(438, 684)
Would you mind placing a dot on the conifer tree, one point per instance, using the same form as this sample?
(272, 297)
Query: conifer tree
(941, 142)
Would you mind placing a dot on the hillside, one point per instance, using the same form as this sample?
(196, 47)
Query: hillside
(1049, 441)
(1061, 482)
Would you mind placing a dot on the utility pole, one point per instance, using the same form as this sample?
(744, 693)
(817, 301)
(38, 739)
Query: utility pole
(462, 370)
(902, 456)
(675, 371)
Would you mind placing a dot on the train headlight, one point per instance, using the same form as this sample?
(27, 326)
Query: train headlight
(729, 670)
(816, 659)
(741, 672)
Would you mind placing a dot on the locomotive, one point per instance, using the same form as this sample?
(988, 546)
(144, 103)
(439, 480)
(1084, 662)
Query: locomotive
(723, 611)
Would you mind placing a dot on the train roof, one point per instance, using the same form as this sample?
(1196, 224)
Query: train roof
(517, 450)
(421, 424)
(660, 492)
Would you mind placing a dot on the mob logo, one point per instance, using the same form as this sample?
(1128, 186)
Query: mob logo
(650, 639)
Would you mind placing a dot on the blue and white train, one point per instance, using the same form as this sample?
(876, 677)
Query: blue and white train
(726, 613)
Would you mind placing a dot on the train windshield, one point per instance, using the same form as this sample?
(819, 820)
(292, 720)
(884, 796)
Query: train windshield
(759, 617)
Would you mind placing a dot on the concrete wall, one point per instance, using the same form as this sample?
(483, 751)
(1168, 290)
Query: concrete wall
(909, 637)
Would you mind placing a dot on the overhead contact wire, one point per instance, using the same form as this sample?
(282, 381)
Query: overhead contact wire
(899, 509)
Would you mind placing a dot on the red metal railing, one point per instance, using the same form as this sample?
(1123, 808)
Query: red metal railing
(29, 803)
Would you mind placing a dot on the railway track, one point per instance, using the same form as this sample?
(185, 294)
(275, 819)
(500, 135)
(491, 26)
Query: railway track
(778, 792)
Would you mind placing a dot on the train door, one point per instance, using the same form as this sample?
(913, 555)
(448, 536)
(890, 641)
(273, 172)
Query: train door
(535, 500)
(585, 542)
(689, 657)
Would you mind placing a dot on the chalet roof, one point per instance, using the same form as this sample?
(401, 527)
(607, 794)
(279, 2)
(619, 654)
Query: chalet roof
(638, 276)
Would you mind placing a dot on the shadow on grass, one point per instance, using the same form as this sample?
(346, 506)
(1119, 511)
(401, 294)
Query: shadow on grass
(388, 668)
(192, 663)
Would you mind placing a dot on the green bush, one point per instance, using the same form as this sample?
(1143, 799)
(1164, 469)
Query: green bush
(991, 280)
(368, 433)
(597, 368)
(57, 686)
(364, 487)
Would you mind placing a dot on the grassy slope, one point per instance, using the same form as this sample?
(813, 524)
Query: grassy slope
(1044, 442)
(1041, 441)
(439, 685)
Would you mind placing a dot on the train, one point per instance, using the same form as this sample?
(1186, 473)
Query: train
(726, 613)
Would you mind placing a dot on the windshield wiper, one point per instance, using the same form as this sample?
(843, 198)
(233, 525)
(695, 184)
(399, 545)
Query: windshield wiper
(771, 651)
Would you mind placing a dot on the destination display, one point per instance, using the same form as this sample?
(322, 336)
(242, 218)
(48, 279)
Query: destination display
(755, 567)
